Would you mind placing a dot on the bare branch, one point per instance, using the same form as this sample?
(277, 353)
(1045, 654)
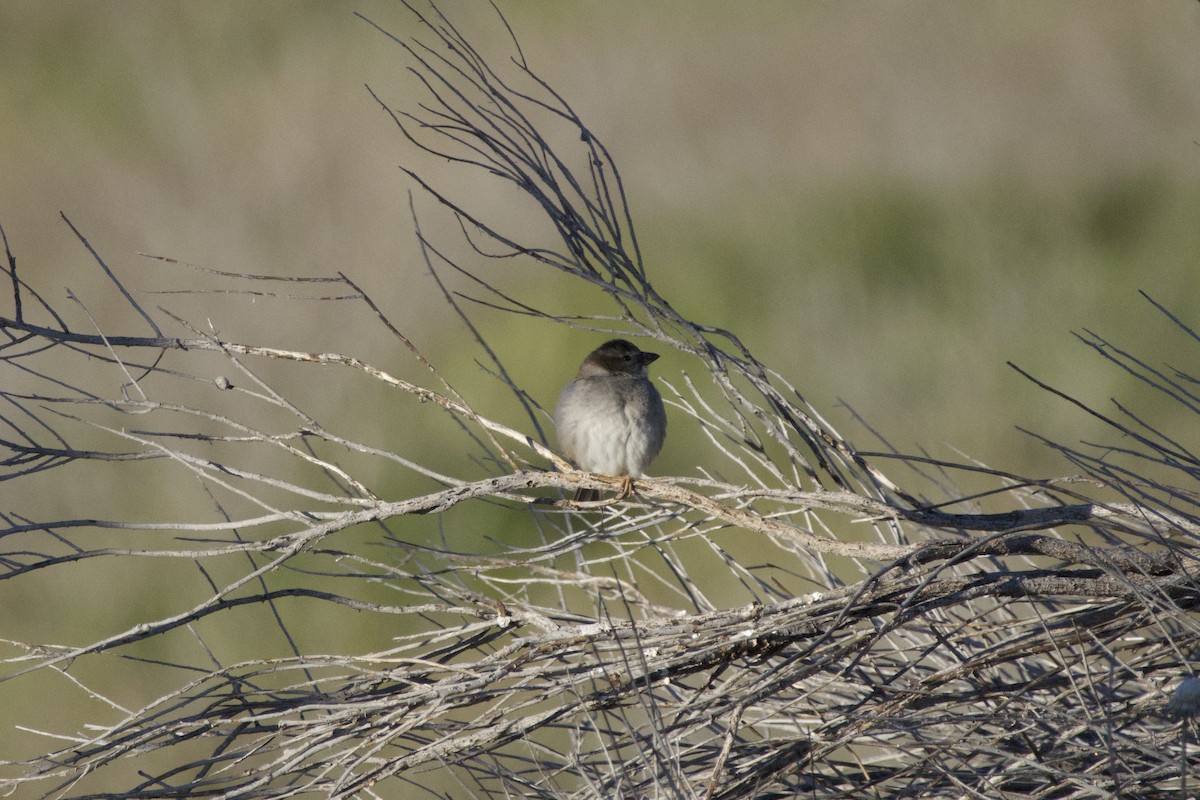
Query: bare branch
(330, 610)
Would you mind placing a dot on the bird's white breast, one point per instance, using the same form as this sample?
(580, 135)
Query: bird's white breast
(611, 425)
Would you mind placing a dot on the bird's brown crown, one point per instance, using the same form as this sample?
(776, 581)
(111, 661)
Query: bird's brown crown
(616, 357)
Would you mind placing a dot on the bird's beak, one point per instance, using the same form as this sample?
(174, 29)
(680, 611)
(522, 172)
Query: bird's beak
(648, 358)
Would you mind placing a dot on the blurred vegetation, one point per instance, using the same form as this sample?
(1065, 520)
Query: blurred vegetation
(884, 209)
(886, 203)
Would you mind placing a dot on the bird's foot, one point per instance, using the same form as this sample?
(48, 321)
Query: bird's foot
(626, 488)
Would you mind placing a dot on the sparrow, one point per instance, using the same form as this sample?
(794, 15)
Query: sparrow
(610, 418)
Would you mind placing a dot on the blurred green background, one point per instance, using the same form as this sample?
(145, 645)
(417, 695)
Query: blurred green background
(886, 202)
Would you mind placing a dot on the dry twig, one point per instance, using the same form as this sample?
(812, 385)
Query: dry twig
(886, 646)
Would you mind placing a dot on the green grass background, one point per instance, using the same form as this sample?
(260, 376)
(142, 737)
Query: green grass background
(886, 202)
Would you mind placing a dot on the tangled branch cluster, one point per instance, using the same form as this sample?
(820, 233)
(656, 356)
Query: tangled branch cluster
(888, 644)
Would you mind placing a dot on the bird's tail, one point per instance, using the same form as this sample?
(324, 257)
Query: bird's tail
(587, 495)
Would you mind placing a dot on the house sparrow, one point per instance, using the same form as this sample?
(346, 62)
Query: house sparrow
(610, 419)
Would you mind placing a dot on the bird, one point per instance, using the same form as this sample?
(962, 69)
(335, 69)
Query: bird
(610, 419)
